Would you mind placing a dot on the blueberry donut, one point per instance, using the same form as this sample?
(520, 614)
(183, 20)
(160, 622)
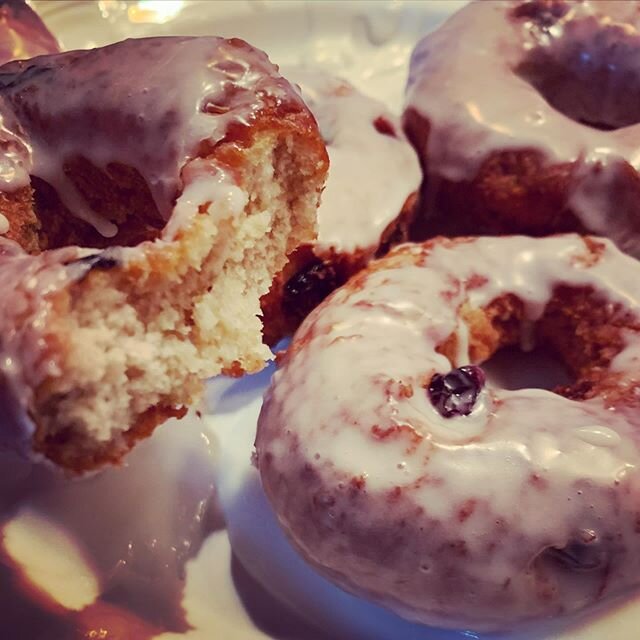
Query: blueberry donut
(149, 192)
(368, 203)
(525, 116)
(400, 473)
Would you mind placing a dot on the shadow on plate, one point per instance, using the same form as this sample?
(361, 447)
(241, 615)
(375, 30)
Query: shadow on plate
(136, 527)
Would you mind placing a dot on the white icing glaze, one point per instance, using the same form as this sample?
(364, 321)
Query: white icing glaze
(263, 548)
(371, 482)
(205, 185)
(351, 217)
(148, 104)
(477, 103)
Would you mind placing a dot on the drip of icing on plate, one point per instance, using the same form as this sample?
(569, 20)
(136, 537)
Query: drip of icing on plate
(122, 539)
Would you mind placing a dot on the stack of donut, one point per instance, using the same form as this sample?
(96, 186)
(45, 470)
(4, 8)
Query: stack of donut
(394, 466)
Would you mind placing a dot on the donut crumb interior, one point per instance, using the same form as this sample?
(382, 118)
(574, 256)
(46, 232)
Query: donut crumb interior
(137, 346)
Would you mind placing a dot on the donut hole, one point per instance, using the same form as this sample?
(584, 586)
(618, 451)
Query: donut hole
(590, 72)
(513, 368)
(575, 339)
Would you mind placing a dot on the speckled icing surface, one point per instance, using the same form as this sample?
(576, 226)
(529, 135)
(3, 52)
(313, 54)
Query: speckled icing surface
(543, 76)
(351, 217)
(114, 104)
(446, 520)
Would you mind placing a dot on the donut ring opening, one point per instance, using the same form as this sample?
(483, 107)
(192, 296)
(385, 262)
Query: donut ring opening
(584, 68)
(578, 326)
(526, 367)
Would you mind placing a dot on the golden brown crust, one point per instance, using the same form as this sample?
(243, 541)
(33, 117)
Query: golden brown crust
(76, 457)
(513, 192)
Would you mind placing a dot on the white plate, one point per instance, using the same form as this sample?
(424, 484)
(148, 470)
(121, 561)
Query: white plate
(126, 533)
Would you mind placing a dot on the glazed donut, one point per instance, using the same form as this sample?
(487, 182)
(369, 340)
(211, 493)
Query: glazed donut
(150, 190)
(402, 475)
(367, 206)
(22, 32)
(524, 114)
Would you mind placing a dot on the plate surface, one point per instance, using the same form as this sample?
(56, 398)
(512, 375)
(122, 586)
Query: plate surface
(149, 540)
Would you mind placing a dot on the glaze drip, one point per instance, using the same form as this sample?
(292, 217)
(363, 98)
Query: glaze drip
(148, 104)
(366, 146)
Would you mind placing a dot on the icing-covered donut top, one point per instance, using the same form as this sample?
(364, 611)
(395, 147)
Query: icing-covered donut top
(350, 411)
(389, 323)
(558, 77)
(151, 104)
(366, 146)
